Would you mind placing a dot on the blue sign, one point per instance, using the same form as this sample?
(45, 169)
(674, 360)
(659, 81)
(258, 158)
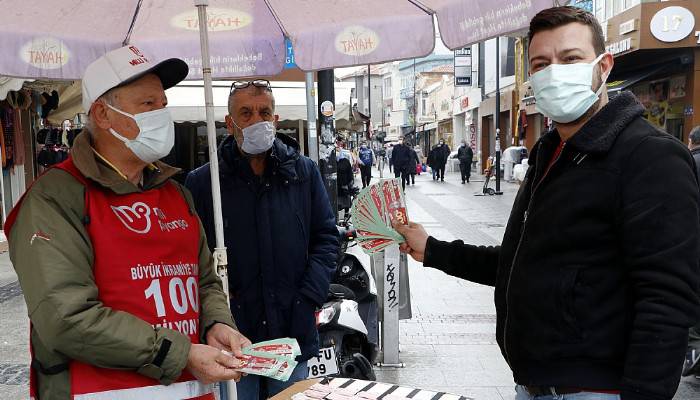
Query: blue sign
(289, 58)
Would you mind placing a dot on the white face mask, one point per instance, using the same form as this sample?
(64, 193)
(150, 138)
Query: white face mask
(257, 138)
(563, 91)
(156, 134)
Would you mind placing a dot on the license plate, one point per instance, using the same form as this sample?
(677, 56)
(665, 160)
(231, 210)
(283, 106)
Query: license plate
(324, 364)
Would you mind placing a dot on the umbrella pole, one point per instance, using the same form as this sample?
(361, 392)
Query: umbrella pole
(228, 387)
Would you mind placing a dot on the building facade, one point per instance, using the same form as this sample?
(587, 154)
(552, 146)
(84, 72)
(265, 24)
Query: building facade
(656, 46)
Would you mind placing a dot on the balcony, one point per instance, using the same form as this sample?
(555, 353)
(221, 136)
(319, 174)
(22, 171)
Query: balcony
(406, 93)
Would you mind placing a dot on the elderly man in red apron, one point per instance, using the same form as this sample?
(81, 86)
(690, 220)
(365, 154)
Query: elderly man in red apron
(113, 263)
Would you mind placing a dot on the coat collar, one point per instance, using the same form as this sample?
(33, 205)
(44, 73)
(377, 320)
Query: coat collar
(98, 171)
(601, 131)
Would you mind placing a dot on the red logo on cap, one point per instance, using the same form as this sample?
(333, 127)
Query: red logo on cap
(141, 58)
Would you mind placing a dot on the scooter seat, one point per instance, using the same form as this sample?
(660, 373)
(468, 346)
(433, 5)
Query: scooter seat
(340, 292)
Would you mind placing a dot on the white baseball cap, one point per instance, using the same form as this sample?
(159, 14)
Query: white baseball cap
(124, 65)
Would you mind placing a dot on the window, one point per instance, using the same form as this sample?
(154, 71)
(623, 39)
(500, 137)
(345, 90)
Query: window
(600, 10)
(631, 3)
(507, 51)
(387, 87)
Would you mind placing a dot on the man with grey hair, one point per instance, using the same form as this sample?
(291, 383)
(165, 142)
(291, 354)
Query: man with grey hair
(279, 229)
(113, 263)
(692, 356)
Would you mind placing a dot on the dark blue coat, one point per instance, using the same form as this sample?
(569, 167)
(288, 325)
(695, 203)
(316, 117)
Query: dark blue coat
(281, 239)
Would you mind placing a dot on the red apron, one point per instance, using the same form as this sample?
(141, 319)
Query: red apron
(146, 263)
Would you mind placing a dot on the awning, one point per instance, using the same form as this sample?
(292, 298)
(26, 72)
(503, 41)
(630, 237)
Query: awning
(286, 112)
(186, 101)
(633, 77)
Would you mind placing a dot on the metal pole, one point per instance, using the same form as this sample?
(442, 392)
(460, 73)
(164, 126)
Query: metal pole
(414, 97)
(369, 100)
(327, 158)
(390, 260)
(498, 116)
(311, 116)
(381, 161)
(227, 388)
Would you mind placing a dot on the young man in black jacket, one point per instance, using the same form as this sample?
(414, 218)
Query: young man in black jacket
(597, 275)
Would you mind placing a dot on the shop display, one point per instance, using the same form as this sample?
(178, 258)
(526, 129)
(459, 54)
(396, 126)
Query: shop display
(372, 212)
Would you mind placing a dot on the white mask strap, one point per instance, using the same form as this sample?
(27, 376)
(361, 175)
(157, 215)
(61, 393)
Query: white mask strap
(120, 111)
(603, 79)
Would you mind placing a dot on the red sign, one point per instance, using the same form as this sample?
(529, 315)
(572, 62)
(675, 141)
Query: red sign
(464, 103)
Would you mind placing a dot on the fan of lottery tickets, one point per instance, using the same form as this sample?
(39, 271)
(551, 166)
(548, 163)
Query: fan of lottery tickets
(273, 359)
(372, 212)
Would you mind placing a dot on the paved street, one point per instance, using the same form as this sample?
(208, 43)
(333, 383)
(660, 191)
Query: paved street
(448, 346)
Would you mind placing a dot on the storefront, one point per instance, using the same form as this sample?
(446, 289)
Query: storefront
(445, 132)
(38, 122)
(426, 136)
(487, 133)
(657, 57)
(531, 124)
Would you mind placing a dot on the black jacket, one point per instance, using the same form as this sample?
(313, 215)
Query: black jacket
(597, 277)
(281, 239)
(465, 154)
(401, 158)
(440, 155)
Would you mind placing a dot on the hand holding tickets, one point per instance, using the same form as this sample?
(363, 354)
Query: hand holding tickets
(372, 212)
(273, 359)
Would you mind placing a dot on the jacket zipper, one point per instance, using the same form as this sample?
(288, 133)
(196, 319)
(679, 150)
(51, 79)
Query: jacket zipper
(517, 251)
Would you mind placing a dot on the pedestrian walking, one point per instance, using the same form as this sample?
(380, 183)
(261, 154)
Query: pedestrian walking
(401, 159)
(97, 241)
(432, 163)
(419, 155)
(442, 153)
(465, 155)
(413, 166)
(597, 275)
(280, 230)
(366, 161)
(381, 159)
(389, 152)
(692, 356)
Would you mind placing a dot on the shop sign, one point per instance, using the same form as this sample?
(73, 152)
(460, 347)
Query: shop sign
(356, 40)
(672, 24)
(464, 102)
(619, 47)
(628, 27)
(45, 53)
(463, 67)
(218, 19)
(289, 59)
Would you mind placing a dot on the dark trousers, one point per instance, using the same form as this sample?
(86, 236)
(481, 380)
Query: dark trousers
(441, 172)
(366, 173)
(405, 179)
(466, 170)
